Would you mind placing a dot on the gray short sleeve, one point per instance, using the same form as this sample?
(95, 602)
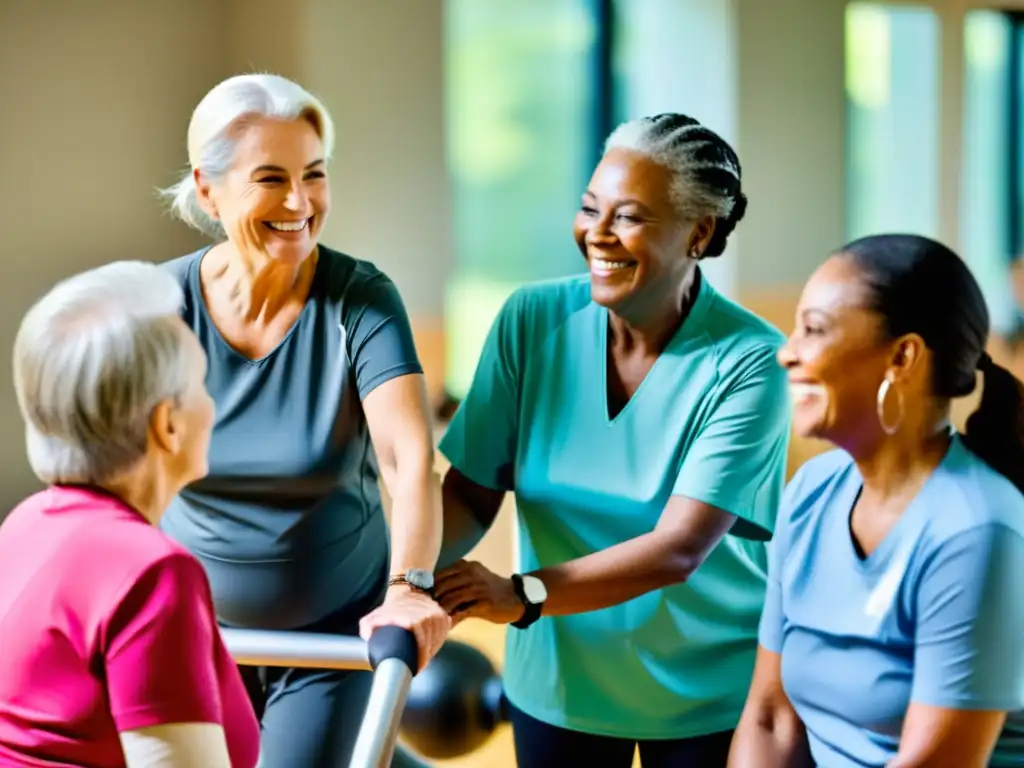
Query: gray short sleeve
(380, 340)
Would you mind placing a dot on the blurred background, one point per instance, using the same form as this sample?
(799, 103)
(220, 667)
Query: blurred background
(468, 129)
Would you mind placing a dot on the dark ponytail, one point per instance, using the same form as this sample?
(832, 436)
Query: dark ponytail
(920, 286)
(995, 431)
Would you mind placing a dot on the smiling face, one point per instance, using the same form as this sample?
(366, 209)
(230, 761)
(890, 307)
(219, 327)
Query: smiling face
(631, 234)
(276, 197)
(837, 357)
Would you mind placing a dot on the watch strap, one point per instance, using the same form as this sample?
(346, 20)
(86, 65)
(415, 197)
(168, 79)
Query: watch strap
(400, 579)
(532, 610)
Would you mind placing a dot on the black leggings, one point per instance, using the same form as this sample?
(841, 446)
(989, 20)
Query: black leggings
(539, 745)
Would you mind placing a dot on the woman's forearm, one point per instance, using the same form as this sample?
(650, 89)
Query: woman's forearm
(770, 744)
(614, 575)
(416, 526)
(179, 745)
(469, 512)
(462, 531)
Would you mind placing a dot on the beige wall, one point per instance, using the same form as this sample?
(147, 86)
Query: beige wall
(95, 99)
(791, 138)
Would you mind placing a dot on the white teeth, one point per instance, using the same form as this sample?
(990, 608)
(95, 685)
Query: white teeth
(604, 265)
(288, 226)
(802, 392)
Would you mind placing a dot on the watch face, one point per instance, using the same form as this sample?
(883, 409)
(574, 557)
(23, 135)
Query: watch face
(534, 589)
(420, 578)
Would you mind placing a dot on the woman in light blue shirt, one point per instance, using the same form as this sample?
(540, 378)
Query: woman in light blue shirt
(893, 630)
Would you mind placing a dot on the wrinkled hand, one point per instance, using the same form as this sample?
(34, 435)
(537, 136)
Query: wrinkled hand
(415, 611)
(469, 590)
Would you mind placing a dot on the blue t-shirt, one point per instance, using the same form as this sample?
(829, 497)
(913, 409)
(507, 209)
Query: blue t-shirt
(709, 422)
(932, 615)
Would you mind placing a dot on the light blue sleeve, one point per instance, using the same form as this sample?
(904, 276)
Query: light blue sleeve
(481, 439)
(969, 638)
(773, 616)
(738, 461)
(769, 633)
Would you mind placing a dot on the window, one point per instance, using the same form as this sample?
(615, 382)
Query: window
(892, 93)
(533, 87)
(991, 194)
(652, 73)
(519, 110)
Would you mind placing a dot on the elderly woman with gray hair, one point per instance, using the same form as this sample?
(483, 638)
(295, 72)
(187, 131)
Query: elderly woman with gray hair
(319, 391)
(641, 421)
(111, 651)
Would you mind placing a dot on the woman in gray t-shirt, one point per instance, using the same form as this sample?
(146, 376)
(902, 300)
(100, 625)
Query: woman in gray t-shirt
(317, 388)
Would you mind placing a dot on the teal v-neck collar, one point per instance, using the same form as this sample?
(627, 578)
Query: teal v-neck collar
(691, 327)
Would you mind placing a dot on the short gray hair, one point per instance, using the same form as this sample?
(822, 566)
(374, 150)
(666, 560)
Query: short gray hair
(92, 359)
(706, 170)
(212, 138)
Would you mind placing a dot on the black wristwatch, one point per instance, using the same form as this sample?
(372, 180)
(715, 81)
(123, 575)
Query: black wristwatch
(532, 592)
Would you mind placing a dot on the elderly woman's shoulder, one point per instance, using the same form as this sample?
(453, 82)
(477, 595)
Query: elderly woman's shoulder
(347, 276)
(147, 552)
(813, 486)
(975, 493)
(179, 267)
(94, 531)
(548, 301)
(741, 342)
(820, 470)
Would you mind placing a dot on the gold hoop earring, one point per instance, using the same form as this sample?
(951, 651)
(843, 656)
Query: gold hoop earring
(883, 394)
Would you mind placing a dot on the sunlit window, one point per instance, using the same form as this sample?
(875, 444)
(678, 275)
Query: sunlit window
(892, 94)
(989, 194)
(519, 144)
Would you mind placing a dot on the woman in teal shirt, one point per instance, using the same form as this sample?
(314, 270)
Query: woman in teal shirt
(641, 421)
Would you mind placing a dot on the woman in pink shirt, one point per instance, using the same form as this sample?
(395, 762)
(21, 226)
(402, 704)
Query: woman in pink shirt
(109, 650)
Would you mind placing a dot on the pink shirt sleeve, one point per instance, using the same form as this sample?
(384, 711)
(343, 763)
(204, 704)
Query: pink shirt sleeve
(159, 649)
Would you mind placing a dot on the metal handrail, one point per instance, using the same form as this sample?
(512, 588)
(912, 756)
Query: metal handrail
(390, 654)
(265, 648)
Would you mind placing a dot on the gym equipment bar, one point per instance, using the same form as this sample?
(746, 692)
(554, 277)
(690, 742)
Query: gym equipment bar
(391, 654)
